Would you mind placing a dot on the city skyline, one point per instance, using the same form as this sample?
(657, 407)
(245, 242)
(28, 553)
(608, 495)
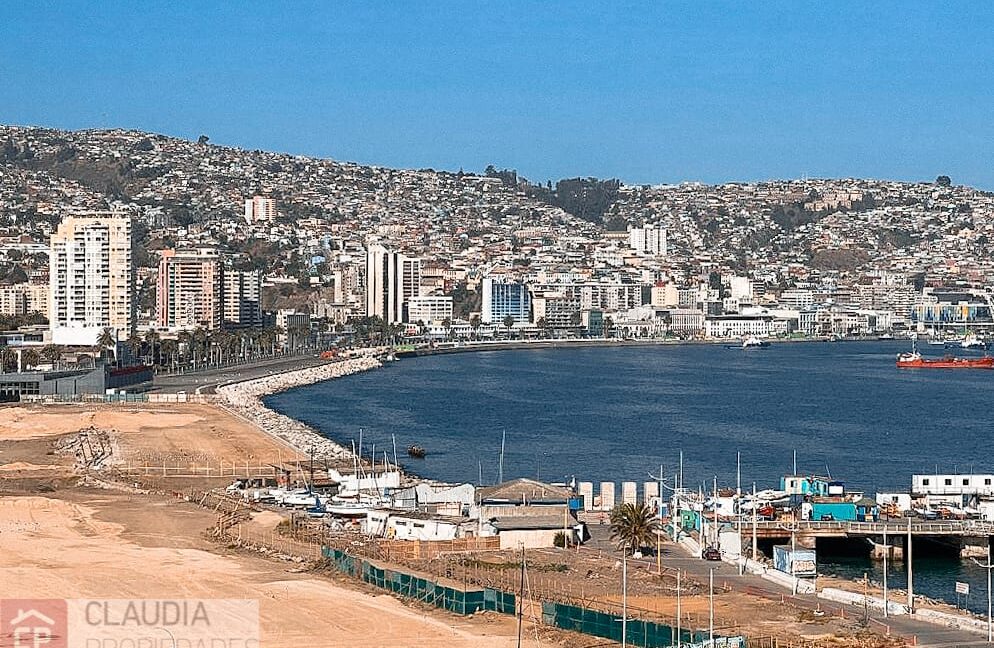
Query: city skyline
(666, 94)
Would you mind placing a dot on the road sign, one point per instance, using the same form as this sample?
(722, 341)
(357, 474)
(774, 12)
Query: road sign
(962, 588)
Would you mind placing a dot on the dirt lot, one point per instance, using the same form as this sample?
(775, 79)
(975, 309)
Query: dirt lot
(63, 540)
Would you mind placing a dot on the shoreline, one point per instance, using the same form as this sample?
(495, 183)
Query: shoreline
(519, 345)
(244, 398)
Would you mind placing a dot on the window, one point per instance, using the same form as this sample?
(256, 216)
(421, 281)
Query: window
(987, 482)
(925, 482)
(949, 482)
(966, 482)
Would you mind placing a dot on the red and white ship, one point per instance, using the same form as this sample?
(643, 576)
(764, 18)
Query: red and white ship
(914, 360)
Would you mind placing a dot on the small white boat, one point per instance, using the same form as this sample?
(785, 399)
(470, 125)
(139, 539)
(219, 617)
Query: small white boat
(753, 342)
(302, 497)
(971, 341)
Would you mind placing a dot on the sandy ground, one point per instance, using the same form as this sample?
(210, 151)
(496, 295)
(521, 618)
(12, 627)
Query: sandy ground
(62, 540)
(118, 546)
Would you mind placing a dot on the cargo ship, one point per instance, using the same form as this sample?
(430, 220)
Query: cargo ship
(914, 360)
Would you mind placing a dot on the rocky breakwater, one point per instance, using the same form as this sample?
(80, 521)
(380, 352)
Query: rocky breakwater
(245, 398)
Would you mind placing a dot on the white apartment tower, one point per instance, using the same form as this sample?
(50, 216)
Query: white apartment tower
(392, 279)
(91, 278)
(259, 208)
(648, 240)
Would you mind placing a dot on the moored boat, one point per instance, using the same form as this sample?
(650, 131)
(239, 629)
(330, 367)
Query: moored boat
(416, 451)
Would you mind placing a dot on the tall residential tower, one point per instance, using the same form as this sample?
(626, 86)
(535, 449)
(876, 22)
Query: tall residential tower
(392, 279)
(91, 278)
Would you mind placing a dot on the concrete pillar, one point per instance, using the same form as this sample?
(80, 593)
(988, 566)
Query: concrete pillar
(629, 493)
(973, 547)
(651, 491)
(607, 496)
(877, 549)
(586, 490)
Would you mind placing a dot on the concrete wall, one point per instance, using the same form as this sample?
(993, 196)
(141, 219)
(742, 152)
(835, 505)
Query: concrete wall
(531, 538)
(607, 496)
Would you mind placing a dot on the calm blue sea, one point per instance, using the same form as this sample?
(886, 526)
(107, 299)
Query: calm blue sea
(619, 413)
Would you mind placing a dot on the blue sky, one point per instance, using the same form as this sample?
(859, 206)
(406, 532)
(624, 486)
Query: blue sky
(648, 92)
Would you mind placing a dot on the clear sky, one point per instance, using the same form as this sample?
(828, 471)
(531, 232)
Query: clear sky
(648, 92)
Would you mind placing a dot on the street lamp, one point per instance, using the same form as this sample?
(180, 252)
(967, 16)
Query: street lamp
(988, 567)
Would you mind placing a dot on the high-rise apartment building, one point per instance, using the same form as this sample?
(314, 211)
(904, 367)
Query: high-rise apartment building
(91, 278)
(260, 208)
(241, 295)
(502, 298)
(24, 299)
(649, 240)
(391, 280)
(189, 289)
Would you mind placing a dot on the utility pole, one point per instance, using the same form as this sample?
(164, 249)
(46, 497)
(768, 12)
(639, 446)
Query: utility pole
(711, 608)
(988, 567)
(624, 597)
(911, 586)
(886, 551)
(678, 611)
(755, 523)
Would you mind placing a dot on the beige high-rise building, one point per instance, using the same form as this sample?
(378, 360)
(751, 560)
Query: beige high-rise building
(259, 208)
(189, 289)
(24, 299)
(242, 298)
(91, 278)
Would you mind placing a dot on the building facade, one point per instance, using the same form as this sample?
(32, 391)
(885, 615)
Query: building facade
(259, 208)
(241, 297)
(392, 279)
(502, 298)
(432, 309)
(91, 278)
(648, 240)
(189, 289)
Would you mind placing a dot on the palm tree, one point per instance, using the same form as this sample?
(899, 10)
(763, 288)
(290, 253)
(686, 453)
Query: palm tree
(152, 338)
(134, 345)
(30, 358)
(474, 323)
(447, 325)
(52, 354)
(633, 526)
(169, 348)
(608, 327)
(106, 340)
(7, 358)
(508, 323)
(543, 324)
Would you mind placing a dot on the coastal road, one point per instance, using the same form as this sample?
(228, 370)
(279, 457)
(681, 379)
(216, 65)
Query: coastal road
(674, 557)
(208, 380)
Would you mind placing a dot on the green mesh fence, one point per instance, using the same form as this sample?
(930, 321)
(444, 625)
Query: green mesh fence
(341, 560)
(602, 624)
(498, 601)
(646, 634)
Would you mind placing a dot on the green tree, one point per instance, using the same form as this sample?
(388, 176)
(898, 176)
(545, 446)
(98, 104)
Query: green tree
(52, 354)
(107, 341)
(943, 181)
(474, 323)
(152, 339)
(135, 345)
(633, 526)
(508, 323)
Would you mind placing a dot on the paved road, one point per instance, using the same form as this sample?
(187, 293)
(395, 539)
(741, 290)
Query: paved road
(674, 557)
(206, 381)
